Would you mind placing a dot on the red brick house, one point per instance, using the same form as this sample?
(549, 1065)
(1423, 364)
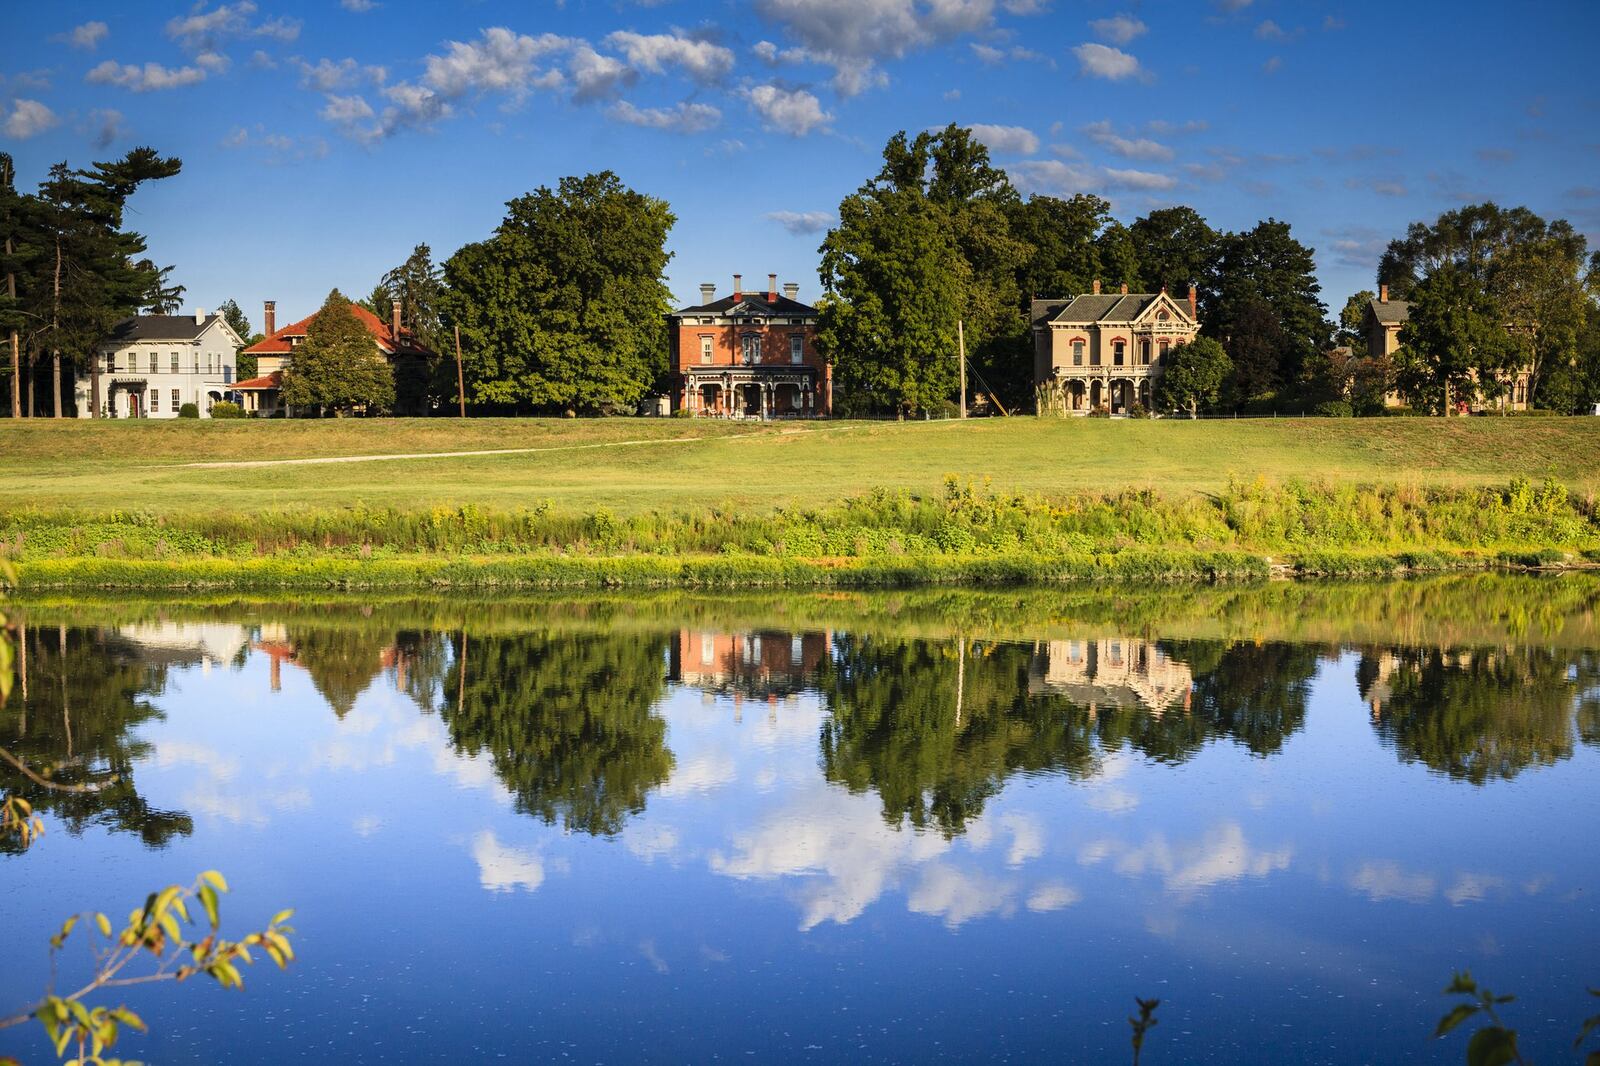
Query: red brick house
(749, 355)
(261, 393)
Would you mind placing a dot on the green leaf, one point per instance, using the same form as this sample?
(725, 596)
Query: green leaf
(282, 916)
(1456, 1016)
(208, 900)
(1492, 1046)
(1462, 983)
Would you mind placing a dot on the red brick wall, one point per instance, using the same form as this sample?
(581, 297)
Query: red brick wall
(726, 344)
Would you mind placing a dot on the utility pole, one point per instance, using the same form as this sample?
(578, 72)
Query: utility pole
(961, 346)
(461, 394)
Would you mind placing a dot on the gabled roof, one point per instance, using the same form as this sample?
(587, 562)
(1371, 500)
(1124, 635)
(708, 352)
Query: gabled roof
(757, 302)
(1390, 312)
(278, 343)
(1104, 307)
(159, 328)
(273, 380)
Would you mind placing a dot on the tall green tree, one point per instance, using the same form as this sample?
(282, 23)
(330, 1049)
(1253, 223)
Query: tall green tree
(1265, 273)
(1352, 318)
(1176, 248)
(1194, 376)
(239, 322)
(338, 368)
(418, 286)
(1063, 256)
(563, 309)
(1453, 346)
(1469, 239)
(15, 223)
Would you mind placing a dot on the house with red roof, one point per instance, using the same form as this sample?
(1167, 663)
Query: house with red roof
(262, 394)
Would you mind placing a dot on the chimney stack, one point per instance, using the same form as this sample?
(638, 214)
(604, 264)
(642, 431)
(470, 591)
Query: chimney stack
(1124, 288)
(1383, 294)
(270, 319)
(791, 289)
(1194, 303)
(199, 316)
(1097, 286)
(708, 292)
(394, 320)
(772, 288)
(738, 287)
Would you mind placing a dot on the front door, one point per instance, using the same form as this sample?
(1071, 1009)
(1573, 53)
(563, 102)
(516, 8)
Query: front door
(133, 405)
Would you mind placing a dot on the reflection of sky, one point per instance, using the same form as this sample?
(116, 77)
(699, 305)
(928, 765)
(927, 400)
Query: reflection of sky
(1315, 899)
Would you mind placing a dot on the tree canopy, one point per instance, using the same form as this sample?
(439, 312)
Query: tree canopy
(338, 367)
(1193, 377)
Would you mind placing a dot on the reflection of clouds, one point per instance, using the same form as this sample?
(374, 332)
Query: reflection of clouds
(1223, 854)
(1027, 838)
(172, 753)
(958, 896)
(1384, 879)
(468, 771)
(1471, 888)
(1113, 800)
(367, 825)
(839, 844)
(1052, 897)
(1104, 794)
(650, 842)
(244, 809)
(505, 869)
(702, 773)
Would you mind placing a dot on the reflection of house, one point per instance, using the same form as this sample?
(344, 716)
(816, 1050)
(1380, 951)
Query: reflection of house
(151, 365)
(755, 665)
(1115, 671)
(262, 393)
(185, 643)
(749, 355)
(1106, 350)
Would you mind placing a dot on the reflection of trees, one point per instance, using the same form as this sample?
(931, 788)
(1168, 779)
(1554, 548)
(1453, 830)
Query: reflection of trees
(342, 660)
(567, 721)
(1477, 714)
(70, 723)
(1251, 693)
(936, 733)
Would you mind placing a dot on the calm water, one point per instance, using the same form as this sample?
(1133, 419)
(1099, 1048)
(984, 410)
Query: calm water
(932, 826)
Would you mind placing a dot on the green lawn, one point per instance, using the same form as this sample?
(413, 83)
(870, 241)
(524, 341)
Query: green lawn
(630, 465)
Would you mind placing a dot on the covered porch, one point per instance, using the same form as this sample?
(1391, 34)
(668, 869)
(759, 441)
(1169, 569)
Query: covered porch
(751, 394)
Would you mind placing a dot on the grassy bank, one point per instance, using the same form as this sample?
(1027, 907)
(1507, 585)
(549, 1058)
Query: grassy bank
(963, 534)
(634, 466)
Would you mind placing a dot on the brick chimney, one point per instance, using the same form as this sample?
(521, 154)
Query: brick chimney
(1124, 288)
(772, 288)
(394, 320)
(270, 317)
(1194, 303)
(1383, 294)
(738, 287)
(708, 292)
(791, 289)
(199, 316)
(1097, 286)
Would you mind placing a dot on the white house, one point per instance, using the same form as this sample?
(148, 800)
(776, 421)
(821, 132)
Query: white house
(151, 365)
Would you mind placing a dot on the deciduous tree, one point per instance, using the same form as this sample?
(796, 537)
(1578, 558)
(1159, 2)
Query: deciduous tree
(1194, 377)
(338, 367)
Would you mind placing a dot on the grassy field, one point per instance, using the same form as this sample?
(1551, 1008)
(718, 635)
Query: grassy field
(630, 466)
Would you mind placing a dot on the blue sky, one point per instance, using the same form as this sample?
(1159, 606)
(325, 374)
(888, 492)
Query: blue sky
(322, 139)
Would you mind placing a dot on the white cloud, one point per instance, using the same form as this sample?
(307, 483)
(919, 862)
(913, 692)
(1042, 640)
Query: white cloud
(595, 76)
(1163, 128)
(152, 77)
(1144, 148)
(499, 61)
(682, 118)
(1054, 177)
(88, 36)
(326, 75)
(1013, 140)
(1145, 180)
(342, 110)
(991, 56)
(704, 773)
(853, 36)
(1118, 29)
(505, 869)
(792, 111)
(204, 29)
(1052, 897)
(1103, 61)
(801, 223)
(28, 118)
(654, 53)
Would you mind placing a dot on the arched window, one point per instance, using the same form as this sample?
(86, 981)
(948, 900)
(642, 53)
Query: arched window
(1119, 353)
(1077, 352)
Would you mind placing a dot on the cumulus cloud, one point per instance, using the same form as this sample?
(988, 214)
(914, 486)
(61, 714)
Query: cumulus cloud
(1012, 140)
(1118, 29)
(1103, 61)
(1061, 178)
(205, 31)
(595, 76)
(88, 36)
(1103, 134)
(28, 118)
(802, 223)
(854, 36)
(346, 109)
(792, 111)
(1386, 880)
(655, 53)
(991, 56)
(499, 61)
(682, 118)
(326, 75)
(1190, 866)
(958, 897)
(505, 869)
(151, 77)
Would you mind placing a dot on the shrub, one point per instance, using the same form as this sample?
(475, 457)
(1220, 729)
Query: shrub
(189, 410)
(1334, 409)
(226, 409)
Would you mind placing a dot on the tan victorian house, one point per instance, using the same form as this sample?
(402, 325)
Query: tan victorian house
(1382, 324)
(1106, 350)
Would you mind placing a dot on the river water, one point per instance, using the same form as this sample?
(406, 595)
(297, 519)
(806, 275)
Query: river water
(817, 828)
